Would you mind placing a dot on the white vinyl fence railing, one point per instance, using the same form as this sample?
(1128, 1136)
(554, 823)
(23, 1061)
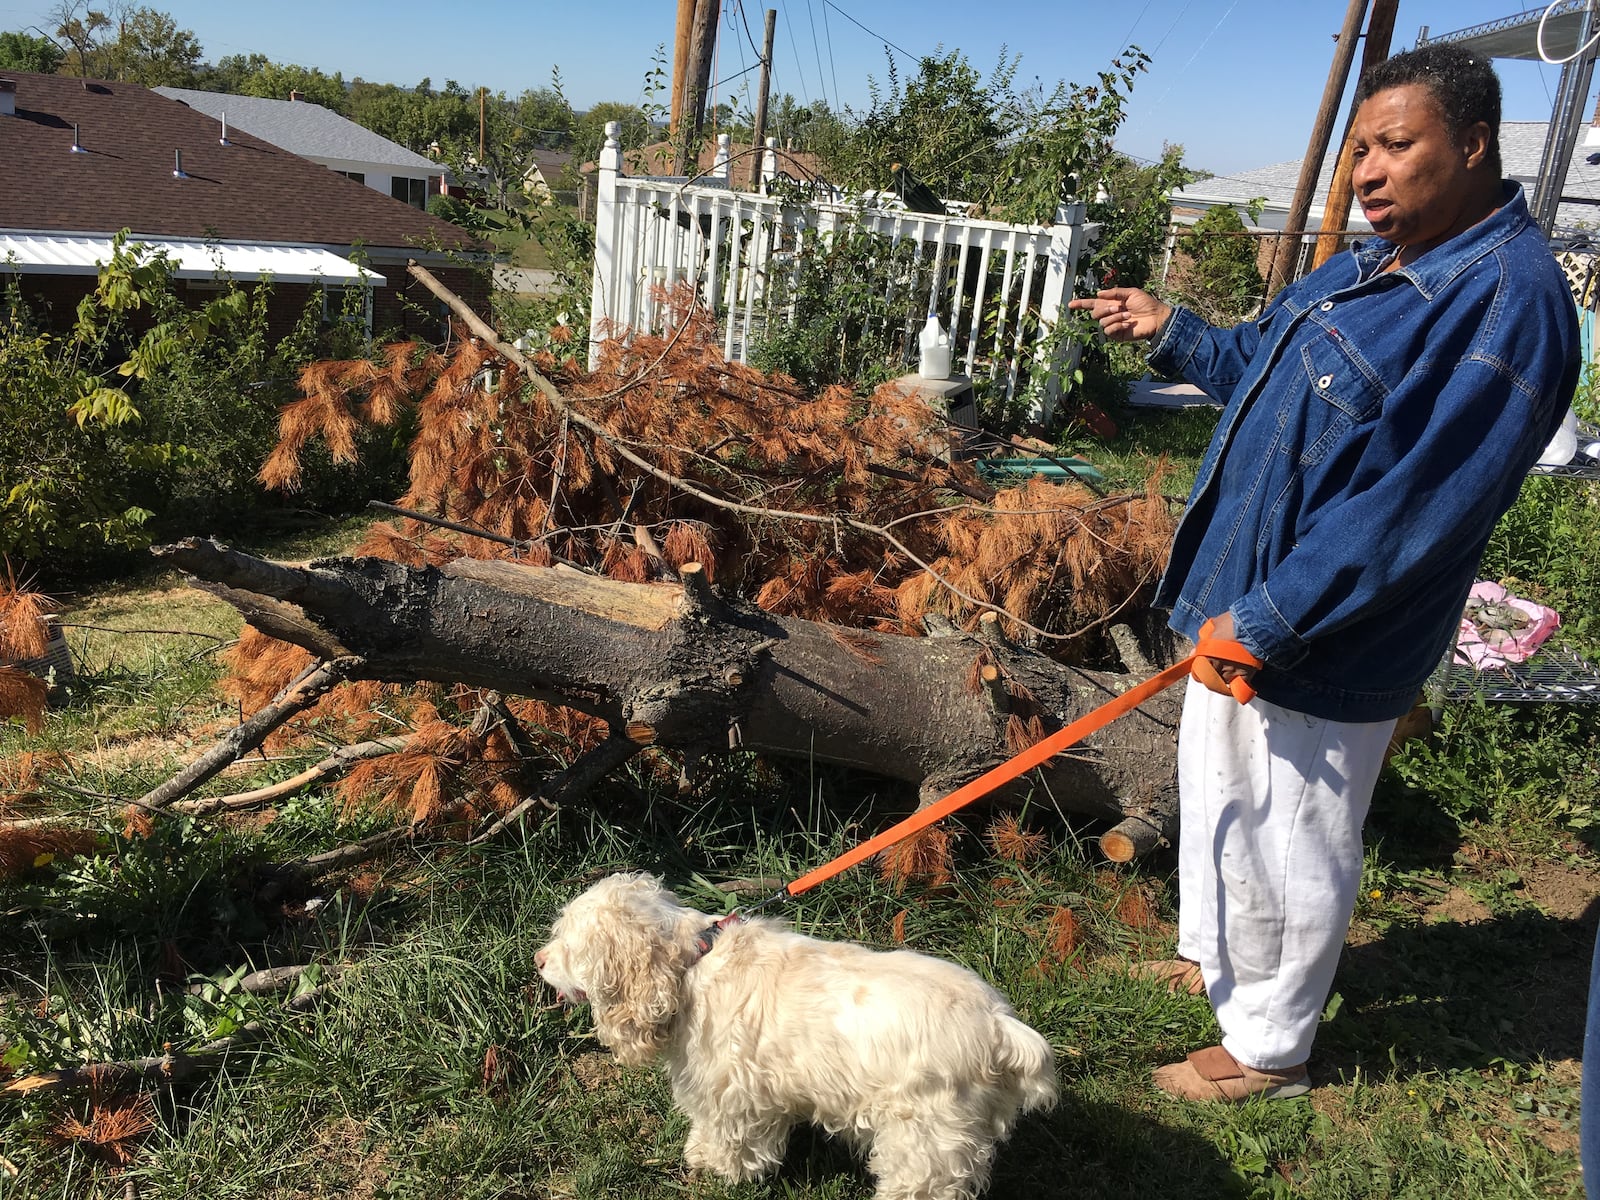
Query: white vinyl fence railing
(997, 288)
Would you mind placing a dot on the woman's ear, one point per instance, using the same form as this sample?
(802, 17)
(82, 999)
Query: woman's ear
(1476, 139)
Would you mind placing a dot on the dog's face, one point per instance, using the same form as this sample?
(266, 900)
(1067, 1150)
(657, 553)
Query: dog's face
(622, 947)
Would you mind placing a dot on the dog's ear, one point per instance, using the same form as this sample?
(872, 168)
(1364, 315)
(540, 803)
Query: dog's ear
(634, 974)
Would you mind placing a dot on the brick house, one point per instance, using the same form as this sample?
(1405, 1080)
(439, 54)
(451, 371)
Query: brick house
(83, 160)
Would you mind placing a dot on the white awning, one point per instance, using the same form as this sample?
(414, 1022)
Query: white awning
(67, 254)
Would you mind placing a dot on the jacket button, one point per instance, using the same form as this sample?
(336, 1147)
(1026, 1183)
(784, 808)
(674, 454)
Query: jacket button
(1325, 382)
(1327, 306)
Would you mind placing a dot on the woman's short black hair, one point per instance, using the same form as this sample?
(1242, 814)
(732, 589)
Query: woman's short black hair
(1462, 84)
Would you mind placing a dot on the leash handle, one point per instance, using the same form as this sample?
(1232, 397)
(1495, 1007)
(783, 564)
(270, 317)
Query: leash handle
(1230, 651)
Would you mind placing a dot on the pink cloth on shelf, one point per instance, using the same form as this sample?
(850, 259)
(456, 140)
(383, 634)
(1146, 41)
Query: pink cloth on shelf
(1486, 646)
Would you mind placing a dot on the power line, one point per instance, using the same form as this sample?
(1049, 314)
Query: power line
(1127, 38)
(879, 36)
(794, 47)
(748, 36)
(1171, 27)
(1194, 56)
(832, 66)
(728, 9)
(817, 46)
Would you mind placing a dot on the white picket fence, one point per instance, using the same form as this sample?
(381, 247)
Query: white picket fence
(997, 288)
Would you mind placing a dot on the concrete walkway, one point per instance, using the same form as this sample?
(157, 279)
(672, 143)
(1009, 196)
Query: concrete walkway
(1154, 393)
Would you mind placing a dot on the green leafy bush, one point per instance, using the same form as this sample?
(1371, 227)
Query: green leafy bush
(149, 413)
(1217, 274)
(848, 310)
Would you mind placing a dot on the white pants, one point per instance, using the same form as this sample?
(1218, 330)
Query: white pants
(1271, 804)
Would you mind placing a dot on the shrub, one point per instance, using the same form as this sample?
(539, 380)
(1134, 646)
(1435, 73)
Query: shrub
(1218, 275)
(149, 414)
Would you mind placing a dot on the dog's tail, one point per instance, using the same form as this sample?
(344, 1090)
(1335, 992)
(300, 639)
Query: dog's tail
(1022, 1054)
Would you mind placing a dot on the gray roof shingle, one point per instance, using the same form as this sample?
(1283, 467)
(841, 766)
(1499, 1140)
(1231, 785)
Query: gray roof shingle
(247, 191)
(302, 128)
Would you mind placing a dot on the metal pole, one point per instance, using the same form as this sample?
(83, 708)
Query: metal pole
(1321, 133)
(1563, 135)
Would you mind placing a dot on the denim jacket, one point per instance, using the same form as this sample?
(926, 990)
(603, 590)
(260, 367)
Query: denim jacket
(1375, 427)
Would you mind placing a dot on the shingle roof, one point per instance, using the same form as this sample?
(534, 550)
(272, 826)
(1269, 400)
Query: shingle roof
(1521, 149)
(249, 190)
(303, 128)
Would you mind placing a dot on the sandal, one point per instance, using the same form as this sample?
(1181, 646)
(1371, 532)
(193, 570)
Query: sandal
(1214, 1074)
(1179, 974)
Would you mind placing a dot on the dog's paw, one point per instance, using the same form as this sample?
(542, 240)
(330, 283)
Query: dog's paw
(704, 1158)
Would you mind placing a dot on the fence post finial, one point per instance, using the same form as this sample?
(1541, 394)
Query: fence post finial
(611, 152)
(719, 165)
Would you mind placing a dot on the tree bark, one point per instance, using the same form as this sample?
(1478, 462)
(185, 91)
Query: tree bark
(681, 667)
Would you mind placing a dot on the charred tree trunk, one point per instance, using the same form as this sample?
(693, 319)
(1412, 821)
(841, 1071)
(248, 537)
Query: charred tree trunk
(678, 666)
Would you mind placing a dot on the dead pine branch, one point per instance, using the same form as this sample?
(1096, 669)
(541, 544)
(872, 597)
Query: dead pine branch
(303, 691)
(617, 446)
(584, 772)
(272, 979)
(331, 767)
(280, 877)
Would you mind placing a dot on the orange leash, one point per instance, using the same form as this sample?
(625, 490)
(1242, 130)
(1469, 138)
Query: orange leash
(1041, 752)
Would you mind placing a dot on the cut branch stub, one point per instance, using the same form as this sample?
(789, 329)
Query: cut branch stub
(698, 598)
(991, 633)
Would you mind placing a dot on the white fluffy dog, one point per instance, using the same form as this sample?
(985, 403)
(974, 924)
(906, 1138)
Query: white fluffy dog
(913, 1060)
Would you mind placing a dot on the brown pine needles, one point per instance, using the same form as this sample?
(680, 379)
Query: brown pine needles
(495, 453)
(110, 1129)
(24, 635)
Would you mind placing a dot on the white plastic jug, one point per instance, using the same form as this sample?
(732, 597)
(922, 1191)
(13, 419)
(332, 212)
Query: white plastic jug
(934, 345)
(1564, 445)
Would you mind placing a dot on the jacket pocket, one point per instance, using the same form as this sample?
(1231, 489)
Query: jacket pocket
(1338, 376)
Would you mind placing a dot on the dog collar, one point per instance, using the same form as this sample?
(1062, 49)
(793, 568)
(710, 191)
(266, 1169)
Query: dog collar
(707, 937)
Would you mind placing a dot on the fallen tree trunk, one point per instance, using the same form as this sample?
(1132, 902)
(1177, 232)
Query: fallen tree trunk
(678, 666)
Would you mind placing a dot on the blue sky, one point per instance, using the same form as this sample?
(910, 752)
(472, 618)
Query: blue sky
(1237, 83)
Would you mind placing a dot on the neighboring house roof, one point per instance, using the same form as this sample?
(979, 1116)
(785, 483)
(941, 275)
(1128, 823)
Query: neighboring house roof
(248, 190)
(303, 128)
(1521, 149)
(549, 163)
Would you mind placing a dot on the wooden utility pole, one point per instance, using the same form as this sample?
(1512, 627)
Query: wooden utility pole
(481, 92)
(680, 64)
(702, 45)
(758, 138)
(1321, 133)
(1336, 213)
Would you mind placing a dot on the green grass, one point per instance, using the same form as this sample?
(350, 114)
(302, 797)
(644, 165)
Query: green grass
(1144, 438)
(438, 1067)
(512, 239)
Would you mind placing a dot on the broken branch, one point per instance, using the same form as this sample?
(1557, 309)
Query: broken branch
(302, 692)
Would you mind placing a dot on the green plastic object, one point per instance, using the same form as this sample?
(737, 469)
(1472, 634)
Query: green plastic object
(1058, 469)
